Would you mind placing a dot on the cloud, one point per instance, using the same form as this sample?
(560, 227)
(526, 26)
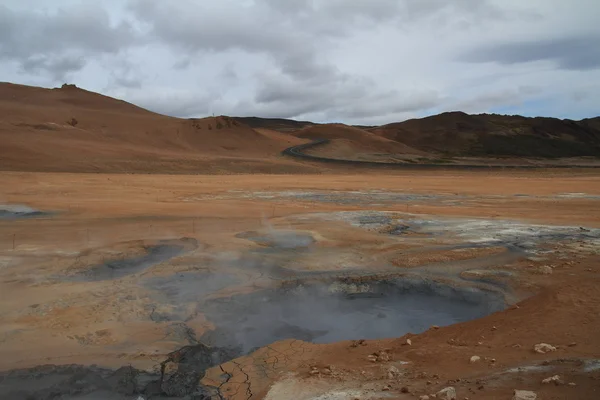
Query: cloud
(60, 42)
(575, 53)
(356, 61)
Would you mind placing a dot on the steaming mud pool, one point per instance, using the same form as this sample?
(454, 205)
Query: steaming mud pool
(315, 311)
(342, 310)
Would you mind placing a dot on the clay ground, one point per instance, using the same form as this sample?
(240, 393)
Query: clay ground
(59, 306)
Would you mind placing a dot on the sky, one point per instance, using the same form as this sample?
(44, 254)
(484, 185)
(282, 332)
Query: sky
(353, 61)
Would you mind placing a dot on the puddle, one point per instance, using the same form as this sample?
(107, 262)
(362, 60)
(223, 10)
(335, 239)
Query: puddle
(341, 310)
(119, 268)
(18, 211)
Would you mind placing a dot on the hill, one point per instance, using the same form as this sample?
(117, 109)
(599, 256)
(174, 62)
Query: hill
(352, 143)
(71, 129)
(485, 135)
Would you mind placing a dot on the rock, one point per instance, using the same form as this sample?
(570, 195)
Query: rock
(572, 384)
(475, 359)
(524, 395)
(543, 348)
(404, 390)
(372, 358)
(448, 393)
(409, 342)
(383, 356)
(573, 344)
(435, 327)
(553, 379)
(180, 383)
(393, 373)
(424, 397)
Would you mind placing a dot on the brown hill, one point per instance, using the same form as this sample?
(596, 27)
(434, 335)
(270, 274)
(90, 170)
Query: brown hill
(70, 129)
(460, 134)
(348, 142)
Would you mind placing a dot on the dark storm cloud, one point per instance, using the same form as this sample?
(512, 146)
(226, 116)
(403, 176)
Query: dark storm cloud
(59, 43)
(574, 53)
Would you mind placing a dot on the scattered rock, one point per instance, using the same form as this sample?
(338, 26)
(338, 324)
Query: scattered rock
(435, 327)
(356, 343)
(409, 342)
(372, 357)
(573, 344)
(424, 397)
(572, 384)
(524, 395)
(543, 348)
(448, 393)
(494, 328)
(386, 388)
(404, 390)
(554, 379)
(475, 359)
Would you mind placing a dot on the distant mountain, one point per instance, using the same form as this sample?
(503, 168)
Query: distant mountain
(277, 124)
(75, 130)
(460, 134)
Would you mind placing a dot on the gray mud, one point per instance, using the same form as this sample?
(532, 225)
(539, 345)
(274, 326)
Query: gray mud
(182, 289)
(76, 382)
(342, 310)
(17, 211)
(119, 268)
(279, 239)
(319, 312)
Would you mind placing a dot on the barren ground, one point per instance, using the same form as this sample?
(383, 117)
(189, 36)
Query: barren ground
(123, 270)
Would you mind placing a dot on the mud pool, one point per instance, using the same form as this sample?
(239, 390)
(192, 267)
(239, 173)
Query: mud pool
(342, 310)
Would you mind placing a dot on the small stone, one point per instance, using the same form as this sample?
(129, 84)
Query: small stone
(409, 342)
(393, 372)
(386, 388)
(475, 359)
(372, 358)
(572, 384)
(435, 327)
(494, 328)
(404, 390)
(553, 379)
(573, 344)
(543, 348)
(448, 393)
(524, 395)
(383, 356)
(424, 397)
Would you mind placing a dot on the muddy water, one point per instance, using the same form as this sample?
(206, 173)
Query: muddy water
(327, 313)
